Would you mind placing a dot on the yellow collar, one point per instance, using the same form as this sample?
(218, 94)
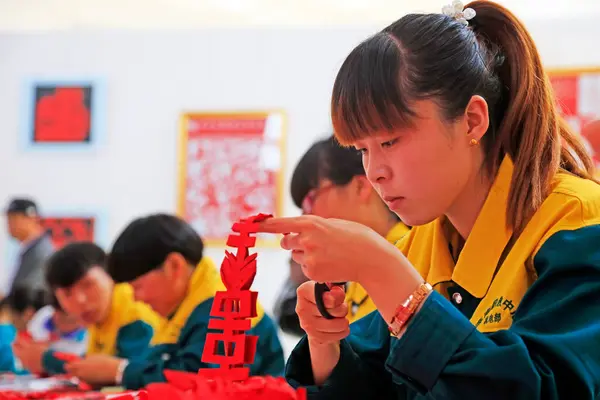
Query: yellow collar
(205, 281)
(122, 294)
(397, 232)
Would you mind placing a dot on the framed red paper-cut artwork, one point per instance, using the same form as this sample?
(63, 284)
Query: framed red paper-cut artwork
(63, 114)
(64, 230)
(577, 93)
(230, 166)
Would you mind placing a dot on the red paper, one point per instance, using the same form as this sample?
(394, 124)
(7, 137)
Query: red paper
(231, 316)
(66, 357)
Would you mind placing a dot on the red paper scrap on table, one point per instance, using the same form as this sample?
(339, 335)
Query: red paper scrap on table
(66, 357)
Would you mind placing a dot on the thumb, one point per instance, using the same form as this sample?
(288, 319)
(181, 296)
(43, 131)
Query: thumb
(335, 297)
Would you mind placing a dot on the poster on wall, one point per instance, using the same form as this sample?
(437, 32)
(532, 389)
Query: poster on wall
(231, 166)
(577, 94)
(63, 114)
(64, 229)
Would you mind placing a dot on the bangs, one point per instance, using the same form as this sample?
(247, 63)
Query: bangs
(368, 98)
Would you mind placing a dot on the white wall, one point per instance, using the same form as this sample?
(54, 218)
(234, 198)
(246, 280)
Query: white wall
(152, 77)
(42, 15)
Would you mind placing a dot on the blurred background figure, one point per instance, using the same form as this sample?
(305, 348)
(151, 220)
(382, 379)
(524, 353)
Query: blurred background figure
(63, 332)
(23, 221)
(18, 309)
(329, 181)
(285, 305)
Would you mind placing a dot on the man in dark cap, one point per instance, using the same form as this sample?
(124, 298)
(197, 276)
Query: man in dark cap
(23, 219)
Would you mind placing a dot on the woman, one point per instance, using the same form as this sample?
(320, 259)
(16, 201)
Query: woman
(460, 136)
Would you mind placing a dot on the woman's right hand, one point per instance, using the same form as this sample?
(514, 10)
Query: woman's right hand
(319, 330)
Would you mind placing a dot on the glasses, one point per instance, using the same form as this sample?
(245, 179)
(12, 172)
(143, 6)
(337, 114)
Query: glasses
(309, 200)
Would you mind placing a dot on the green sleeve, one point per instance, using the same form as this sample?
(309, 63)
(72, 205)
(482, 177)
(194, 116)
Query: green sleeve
(360, 372)
(133, 340)
(269, 358)
(550, 352)
(185, 355)
(51, 364)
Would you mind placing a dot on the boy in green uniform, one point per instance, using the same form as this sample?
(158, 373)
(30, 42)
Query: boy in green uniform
(117, 324)
(162, 257)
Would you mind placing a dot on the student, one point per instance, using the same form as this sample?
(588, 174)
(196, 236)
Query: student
(163, 258)
(460, 135)
(63, 332)
(8, 333)
(284, 309)
(23, 303)
(117, 324)
(330, 182)
(18, 309)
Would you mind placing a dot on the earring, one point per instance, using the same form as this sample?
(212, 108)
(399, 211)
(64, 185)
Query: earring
(474, 142)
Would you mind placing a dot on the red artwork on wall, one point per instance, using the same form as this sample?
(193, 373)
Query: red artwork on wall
(577, 94)
(64, 230)
(62, 114)
(230, 166)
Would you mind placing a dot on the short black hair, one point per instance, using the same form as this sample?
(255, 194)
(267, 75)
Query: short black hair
(69, 264)
(23, 297)
(146, 242)
(325, 159)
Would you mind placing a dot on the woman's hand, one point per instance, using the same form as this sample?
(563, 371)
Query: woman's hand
(323, 335)
(319, 330)
(331, 250)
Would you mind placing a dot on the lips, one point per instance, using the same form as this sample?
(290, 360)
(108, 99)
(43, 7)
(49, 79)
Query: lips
(390, 199)
(393, 202)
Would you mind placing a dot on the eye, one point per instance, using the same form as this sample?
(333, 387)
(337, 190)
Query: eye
(389, 143)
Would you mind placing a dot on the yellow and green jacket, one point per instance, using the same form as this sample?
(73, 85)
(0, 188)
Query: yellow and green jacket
(512, 317)
(357, 298)
(125, 333)
(180, 342)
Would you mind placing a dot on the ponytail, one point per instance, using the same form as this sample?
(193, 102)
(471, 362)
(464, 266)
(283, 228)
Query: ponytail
(529, 130)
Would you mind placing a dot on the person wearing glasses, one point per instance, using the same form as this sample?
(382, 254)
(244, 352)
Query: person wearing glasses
(330, 182)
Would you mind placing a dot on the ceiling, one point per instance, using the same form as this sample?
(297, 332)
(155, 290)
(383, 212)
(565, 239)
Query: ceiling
(43, 15)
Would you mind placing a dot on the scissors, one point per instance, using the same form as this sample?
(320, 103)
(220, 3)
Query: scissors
(320, 290)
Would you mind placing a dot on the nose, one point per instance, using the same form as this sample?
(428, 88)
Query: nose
(376, 169)
(80, 298)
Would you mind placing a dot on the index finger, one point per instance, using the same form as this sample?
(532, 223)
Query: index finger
(286, 224)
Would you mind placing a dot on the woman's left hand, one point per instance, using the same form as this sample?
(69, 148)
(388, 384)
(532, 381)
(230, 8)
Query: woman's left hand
(333, 250)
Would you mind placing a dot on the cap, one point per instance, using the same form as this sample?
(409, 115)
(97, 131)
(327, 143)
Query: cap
(22, 206)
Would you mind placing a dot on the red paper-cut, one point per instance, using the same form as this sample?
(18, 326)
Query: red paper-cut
(66, 357)
(62, 114)
(64, 230)
(220, 388)
(231, 315)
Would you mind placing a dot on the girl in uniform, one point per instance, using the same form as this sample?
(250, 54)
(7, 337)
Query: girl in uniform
(495, 293)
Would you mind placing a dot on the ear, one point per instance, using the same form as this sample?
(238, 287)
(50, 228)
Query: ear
(175, 265)
(477, 118)
(363, 187)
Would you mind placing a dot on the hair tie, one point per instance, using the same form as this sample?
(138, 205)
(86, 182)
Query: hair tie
(458, 11)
